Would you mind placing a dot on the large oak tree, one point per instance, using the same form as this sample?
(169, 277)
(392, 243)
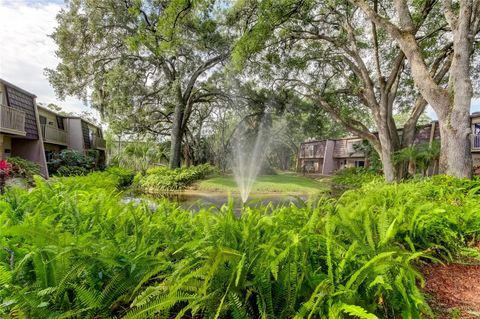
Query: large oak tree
(450, 102)
(330, 53)
(146, 63)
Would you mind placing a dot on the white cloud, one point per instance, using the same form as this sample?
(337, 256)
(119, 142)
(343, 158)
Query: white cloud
(26, 49)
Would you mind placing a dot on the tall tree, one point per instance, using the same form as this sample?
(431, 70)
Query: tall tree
(450, 102)
(343, 63)
(145, 62)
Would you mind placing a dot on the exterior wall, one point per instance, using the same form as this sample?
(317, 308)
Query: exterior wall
(313, 165)
(5, 146)
(52, 118)
(31, 150)
(476, 159)
(314, 149)
(328, 161)
(75, 135)
(3, 95)
(424, 134)
(344, 148)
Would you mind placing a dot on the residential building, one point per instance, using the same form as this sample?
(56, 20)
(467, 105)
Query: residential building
(85, 136)
(54, 131)
(20, 132)
(61, 132)
(329, 155)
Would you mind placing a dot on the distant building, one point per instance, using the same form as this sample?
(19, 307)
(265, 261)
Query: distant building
(61, 132)
(20, 132)
(329, 155)
(37, 133)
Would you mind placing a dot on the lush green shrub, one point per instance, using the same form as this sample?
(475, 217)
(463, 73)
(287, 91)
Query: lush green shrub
(352, 177)
(71, 171)
(71, 158)
(70, 248)
(439, 213)
(159, 179)
(125, 176)
(23, 168)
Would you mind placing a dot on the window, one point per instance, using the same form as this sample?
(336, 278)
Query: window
(476, 129)
(359, 163)
(60, 123)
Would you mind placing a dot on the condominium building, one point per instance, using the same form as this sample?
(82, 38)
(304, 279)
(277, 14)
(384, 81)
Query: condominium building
(330, 155)
(37, 133)
(20, 131)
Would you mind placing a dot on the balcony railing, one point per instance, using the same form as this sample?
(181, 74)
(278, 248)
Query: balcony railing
(475, 141)
(12, 120)
(98, 142)
(54, 135)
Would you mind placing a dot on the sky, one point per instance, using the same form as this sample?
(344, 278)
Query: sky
(26, 50)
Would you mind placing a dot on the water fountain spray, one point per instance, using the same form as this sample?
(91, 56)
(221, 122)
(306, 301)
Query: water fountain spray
(248, 159)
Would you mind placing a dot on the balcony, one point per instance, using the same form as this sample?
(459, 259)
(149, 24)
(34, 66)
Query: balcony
(476, 142)
(54, 135)
(12, 120)
(98, 142)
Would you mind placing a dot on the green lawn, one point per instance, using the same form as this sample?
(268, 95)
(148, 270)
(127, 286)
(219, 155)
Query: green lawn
(281, 183)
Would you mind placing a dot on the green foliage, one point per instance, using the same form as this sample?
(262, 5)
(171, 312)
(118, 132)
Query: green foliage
(419, 157)
(374, 161)
(70, 163)
(71, 171)
(71, 248)
(352, 178)
(137, 155)
(23, 168)
(125, 176)
(160, 179)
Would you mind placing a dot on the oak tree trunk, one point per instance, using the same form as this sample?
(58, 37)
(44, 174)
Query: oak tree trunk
(455, 156)
(176, 137)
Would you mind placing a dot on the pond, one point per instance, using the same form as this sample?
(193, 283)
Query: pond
(196, 200)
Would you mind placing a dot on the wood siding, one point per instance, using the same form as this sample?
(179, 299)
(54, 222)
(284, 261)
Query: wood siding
(26, 103)
(314, 149)
(86, 135)
(344, 148)
(423, 134)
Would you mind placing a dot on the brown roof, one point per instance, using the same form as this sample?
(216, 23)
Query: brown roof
(17, 88)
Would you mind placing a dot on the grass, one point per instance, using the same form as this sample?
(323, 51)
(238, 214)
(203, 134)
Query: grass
(282, 183)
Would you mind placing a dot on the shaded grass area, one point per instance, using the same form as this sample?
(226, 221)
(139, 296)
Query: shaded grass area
(281, 183)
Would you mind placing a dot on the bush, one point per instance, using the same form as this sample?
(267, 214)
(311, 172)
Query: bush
(352, 178)
(23, 168)
(124, 176)
(160, 179)
(71, 158)
(71, 171)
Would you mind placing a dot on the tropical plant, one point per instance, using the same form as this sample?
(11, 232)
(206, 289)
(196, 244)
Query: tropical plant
(138, 155)
(352, 178)
(161, 179)
(71, 248)
(77, 162)
(24, 168)
(419, 157)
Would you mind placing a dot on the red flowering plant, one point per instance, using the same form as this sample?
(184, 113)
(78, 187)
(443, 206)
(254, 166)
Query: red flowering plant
(4, 172)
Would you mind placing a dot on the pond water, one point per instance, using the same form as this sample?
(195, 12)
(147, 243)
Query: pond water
(196, 200)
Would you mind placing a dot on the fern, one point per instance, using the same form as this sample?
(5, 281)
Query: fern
(357, 311)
